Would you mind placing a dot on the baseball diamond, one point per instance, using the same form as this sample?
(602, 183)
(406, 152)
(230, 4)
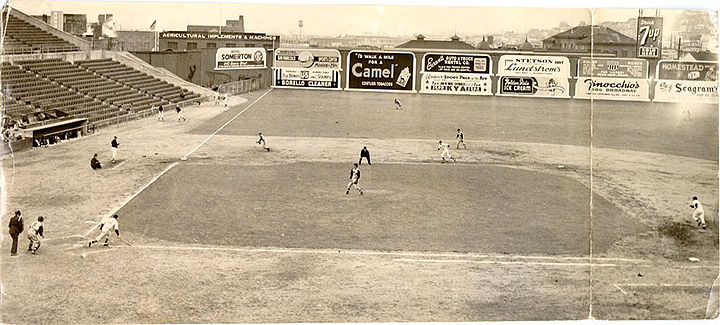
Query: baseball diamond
(507, 183)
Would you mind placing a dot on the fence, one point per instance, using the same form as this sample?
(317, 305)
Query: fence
(239, 87)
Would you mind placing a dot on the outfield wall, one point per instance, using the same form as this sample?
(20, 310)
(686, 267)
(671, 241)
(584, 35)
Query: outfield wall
(510, 73)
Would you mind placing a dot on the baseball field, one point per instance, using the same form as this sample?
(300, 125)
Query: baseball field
(556, 210)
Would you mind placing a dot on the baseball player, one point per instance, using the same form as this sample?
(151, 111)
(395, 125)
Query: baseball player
(261, 141)
(445, 151)
(398, 105)
(699, 213)
(354, 178)
(114, 146)
(217, 98)
(34, 234)
(179, 113)
(106, 225)
(225, 98)
(161, 112)
(461, 139)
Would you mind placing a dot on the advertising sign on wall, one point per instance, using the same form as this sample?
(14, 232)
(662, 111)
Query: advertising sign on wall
(456, 63)
(307, 58)
(686, 91)
(530, 65)
(379, 70)
(649, 37)
(456, 83)
(217, 36)
(613, 89)
(307, 68)
(534, 86)
(612, 68)
(229, 58)
(306, 78)
(687, 70)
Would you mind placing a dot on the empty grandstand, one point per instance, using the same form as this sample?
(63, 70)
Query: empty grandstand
(23, 37)
(53, 82)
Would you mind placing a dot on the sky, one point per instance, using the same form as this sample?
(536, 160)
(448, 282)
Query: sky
(388, 17)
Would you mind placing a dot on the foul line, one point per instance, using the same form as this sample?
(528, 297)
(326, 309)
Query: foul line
(224, 125)
(397, 254)
(133, 196)
(118, 165)
(175, 163)
(503, 262)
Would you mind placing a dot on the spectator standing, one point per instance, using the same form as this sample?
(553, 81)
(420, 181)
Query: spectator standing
(16, 227)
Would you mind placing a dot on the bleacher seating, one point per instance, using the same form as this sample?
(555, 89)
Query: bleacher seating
(92, 85)
(138, 80)
(40, 94)
(23, 37)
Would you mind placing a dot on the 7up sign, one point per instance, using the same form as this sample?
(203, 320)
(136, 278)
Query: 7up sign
(649, 37)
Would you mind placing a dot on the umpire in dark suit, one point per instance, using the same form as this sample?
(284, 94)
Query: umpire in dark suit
(364, 153)
(16, 227)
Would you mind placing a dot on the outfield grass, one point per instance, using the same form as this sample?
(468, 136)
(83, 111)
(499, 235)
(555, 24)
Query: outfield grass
(416, 207)
(650, 127)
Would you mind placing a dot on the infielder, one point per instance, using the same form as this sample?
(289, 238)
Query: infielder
(217, 98)
(699, 213)
(114, 146)
(261, 141)
(225, 98)
(445, 151)
(106, 225)
(354, 178)
(34, 234)
(461, 139)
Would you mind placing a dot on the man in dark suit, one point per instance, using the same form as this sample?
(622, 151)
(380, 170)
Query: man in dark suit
(364, 153)
(16, 227)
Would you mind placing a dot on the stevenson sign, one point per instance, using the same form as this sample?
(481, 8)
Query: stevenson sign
(380, 70)
(530, 65)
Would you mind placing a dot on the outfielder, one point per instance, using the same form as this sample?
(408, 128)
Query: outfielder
(699, 213)
(34, 234)
(106, 225)
(461, 139)
(398, 105)
(354, 178)
(261, 141)
(445, 151)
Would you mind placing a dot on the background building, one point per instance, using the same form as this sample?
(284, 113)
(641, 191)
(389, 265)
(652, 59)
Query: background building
(578, 39)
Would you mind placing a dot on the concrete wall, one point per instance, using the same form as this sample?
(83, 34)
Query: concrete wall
(205, 75)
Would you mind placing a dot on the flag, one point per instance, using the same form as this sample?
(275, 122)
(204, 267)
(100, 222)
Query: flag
(152, 26)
